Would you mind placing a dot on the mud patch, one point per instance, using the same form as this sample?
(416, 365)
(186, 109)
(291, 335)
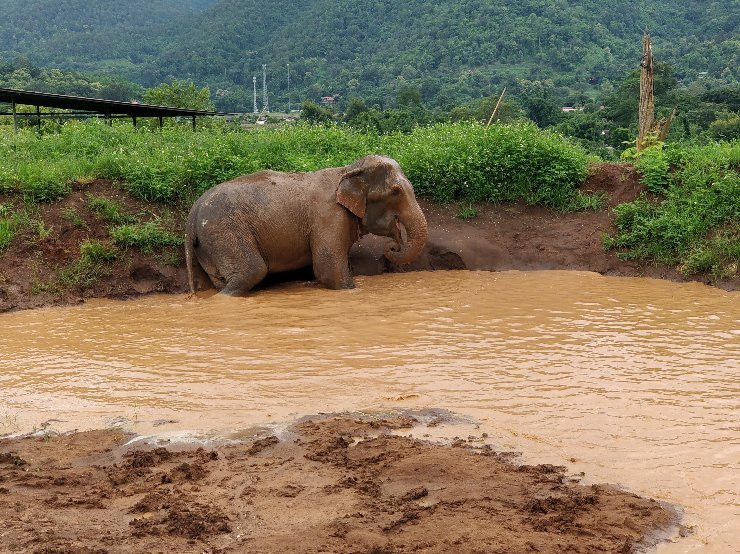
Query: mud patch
(337, 484)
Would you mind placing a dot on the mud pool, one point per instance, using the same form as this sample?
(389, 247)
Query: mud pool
(632, 381)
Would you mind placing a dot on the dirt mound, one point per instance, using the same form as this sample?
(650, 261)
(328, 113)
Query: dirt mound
(339, 484)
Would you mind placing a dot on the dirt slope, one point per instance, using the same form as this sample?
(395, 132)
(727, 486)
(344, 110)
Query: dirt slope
(506, 236)
(340, 484)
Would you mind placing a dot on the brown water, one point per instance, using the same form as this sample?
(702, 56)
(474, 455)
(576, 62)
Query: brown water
(633, 381)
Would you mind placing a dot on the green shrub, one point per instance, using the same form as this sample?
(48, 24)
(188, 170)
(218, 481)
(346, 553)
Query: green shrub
(466, 161)
(653, 164)
(451, 161)
(697, 224)
(97, 252)
(145, 236)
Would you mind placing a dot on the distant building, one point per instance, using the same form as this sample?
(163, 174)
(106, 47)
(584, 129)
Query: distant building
(329, 99)
(571, 109)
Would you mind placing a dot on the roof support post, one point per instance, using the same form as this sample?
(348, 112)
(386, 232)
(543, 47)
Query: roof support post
(133, 117)
(161, 122)
(193, 123)
(38, 117)
(15, 117)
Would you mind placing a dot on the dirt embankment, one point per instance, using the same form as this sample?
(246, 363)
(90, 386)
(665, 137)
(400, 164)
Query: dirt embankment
(339, 484)
(501, 237)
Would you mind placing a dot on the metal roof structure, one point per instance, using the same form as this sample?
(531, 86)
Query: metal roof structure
(84, 106)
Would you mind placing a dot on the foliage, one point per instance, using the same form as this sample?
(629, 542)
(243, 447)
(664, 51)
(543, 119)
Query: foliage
(180, 94)
(145, 236)
(725, 129)
(697, 224)
(313, 113)
(452, 161)
(653, 165)
(82, 273)
(450, 51)
(464, 161)
(71, 215)
(97, 252)
(467, 211)
(7, 232)
(108, 209)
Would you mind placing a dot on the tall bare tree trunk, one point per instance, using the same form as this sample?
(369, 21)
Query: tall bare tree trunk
(647, 103)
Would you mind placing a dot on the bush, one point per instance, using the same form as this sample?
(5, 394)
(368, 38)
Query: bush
(653, 165)
(145, 236)
(451, 161)
(697, 225)
(466, 161)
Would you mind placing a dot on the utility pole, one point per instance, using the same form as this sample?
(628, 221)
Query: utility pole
(254, 85)
(265, 105)
(288, 88)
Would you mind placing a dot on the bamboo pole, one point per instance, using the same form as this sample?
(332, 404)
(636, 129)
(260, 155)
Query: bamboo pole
(495, 110)
(647, 102)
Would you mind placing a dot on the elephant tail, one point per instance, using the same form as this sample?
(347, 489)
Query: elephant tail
(191, 241)
(189, 253)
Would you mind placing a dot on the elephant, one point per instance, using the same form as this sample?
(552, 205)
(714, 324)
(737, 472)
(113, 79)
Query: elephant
(269, 222)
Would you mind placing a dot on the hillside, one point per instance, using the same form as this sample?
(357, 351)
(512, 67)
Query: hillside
(450, 50)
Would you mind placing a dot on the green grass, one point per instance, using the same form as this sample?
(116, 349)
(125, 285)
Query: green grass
(71, 215)
(82, 273)
(7, 232)
(97, 252)
(109, 210)
(467, 212)
(445, 162)
(696, 222)
(147, 237)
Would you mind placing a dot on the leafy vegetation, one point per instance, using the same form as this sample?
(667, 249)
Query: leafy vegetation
(97, 252)
(453, 161)
(467, 211)
(448, 51)
(7, 231)
(145, 236)
(697, 223)
(109, 210)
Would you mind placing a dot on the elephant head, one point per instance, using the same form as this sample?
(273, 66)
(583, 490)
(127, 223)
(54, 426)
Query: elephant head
(376, 191)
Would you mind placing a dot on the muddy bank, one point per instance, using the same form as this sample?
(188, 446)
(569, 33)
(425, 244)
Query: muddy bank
(340, 484)
(501, 237)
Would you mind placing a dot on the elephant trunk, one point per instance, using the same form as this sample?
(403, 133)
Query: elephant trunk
(416, 237)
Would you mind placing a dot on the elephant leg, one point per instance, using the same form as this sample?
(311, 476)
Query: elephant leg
(241, 271)
(332, 268)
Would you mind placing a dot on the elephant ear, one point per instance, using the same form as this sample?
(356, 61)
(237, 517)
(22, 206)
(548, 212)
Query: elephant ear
(351, 192)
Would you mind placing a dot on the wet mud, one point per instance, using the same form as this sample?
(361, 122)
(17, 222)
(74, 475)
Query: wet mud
(327, 484)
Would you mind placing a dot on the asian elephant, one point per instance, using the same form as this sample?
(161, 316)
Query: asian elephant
(268, 222)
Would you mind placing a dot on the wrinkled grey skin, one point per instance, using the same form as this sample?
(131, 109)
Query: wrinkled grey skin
(268, 222)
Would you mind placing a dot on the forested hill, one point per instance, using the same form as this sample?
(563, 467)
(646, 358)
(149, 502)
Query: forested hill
(451, 50)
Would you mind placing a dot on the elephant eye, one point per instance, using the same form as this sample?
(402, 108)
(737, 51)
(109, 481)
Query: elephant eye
(396, 190)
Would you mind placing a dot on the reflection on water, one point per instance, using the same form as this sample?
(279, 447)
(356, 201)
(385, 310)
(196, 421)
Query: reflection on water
(638, 380)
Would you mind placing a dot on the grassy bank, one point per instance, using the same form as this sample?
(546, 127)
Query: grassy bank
(694, 220)
(445, 162)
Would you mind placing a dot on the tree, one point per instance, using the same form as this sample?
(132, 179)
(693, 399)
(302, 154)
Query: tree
(313, 113)
(409, 96)
(180, 94)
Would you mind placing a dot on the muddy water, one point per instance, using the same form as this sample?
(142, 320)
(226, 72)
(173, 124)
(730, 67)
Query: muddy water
(633, 381)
